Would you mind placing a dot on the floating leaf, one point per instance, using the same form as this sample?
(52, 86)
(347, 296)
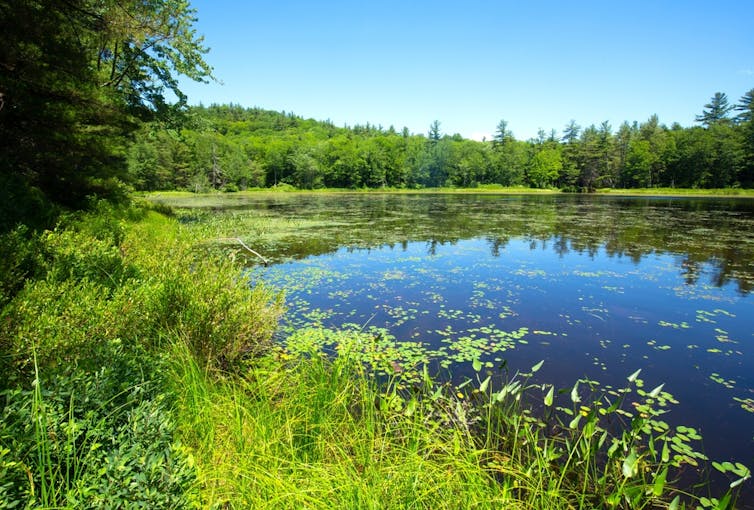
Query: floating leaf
(741, 470)
(477, 364)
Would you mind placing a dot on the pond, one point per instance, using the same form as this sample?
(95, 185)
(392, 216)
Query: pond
(596, 286)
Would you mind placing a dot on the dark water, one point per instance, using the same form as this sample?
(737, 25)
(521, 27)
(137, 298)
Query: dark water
(598, 287)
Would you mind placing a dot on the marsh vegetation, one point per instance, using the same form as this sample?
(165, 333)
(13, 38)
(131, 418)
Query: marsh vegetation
(471, 290)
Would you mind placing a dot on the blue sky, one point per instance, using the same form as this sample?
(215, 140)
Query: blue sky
(469, 64)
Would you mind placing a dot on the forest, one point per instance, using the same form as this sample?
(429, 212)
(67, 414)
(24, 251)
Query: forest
(140, 361)
(90, 106)
(230, 147)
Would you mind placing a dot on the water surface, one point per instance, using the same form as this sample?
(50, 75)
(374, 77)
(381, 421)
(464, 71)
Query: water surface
(595, 286)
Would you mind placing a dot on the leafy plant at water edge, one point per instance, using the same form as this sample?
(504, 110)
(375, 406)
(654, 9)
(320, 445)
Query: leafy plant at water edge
(610, 446)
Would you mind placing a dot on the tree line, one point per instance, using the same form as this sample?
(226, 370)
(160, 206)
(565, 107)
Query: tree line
(84, 112)
(229, 147)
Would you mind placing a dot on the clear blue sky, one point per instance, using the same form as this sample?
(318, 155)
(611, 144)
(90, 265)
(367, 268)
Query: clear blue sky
(469, 64)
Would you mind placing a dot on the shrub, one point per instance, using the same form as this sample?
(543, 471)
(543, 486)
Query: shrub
(20, 259)
(89, 309)
(92, 443)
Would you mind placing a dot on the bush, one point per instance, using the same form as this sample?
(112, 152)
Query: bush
(20, 259)
(92, 443)
(88, 311)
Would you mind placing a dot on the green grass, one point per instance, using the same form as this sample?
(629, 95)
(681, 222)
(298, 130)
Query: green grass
(300, 429)
(310, 433)
(139, 371)
(679, 192)
(167, 196)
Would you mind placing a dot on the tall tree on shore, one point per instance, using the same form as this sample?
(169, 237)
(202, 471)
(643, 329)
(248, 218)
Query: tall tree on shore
(502, 134)
(75, 77)
(744, 106)
(571, 132)
(747, 128)
(716, 111)
(434, 131)
(569, 172)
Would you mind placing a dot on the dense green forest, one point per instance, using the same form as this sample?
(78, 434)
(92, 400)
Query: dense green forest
(77, 78)
(85, 111)
(230, 147)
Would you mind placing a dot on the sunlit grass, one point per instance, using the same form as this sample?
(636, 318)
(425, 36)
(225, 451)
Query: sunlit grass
(305, 430)
(680, 192)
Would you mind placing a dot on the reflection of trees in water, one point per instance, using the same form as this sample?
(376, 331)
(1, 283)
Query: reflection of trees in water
(708, 235)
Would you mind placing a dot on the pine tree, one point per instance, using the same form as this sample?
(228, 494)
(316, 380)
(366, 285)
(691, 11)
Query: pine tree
(745, 106)
(716, 111)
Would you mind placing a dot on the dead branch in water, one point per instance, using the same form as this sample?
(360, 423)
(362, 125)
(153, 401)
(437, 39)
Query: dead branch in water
(246, 247)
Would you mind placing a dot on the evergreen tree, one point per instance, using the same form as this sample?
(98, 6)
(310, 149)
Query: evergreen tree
(75, 75)
(716, 111)
(434, 131)
(571, 132)
(745, 106)
(502, 134)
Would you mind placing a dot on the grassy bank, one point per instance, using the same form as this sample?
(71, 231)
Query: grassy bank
(679, 192)
(90, 314)
(304, 431)
(140, 372)
(487, 189)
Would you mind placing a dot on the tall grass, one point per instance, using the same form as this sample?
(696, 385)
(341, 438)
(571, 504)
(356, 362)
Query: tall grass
(303, 430)
(86, 417)
(310, 433)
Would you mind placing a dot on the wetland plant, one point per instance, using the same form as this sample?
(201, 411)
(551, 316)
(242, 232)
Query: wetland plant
(344, 426)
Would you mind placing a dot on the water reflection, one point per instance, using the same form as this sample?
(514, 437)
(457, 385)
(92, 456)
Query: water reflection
(713, 239)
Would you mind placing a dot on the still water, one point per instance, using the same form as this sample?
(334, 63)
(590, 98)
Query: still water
(597, 287)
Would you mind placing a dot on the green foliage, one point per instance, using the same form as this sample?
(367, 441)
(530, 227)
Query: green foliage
(337, 437)
(302, 431)
(101, 438)
(226, 146)
(87, 420)
(19, 260)
(545, 167)
(716, 111)
(75, 76)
